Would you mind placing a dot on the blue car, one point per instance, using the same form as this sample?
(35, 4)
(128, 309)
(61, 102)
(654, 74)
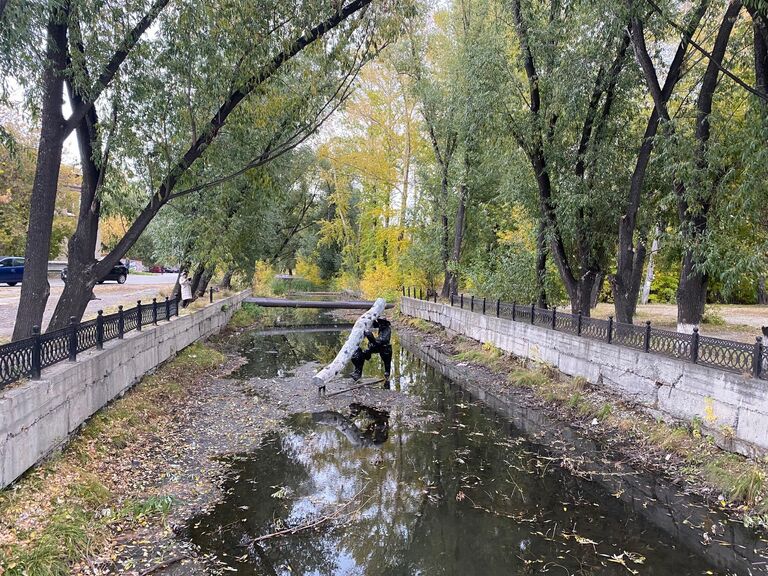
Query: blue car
(11, 270)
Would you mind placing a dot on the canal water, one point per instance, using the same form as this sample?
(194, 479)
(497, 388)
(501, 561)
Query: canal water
(467, 491)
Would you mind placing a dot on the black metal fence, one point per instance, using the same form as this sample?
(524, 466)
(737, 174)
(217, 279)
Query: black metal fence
(26, 358)
(714, 352)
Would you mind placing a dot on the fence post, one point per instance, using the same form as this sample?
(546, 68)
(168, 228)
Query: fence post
(100, 330)
(167, 308)
(554, 318)
(210, 294)
(472, 303)
(421, 294)
(154, 311)
(138, 315)
(483, 304)
(514, 310)
(757, 367)
(578, 324)
(36, 363)
(610, 329)
(451, 299)
(403, 290)
(647, 341)
(461, 301)
(533, 313)
(695, 346)
(434, 295)
(409, 291)
(498, 307)
(72, 339)
(120, 323)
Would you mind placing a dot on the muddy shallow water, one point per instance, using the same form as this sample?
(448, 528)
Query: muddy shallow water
(471, 491)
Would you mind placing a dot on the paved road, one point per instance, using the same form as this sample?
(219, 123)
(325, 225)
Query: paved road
(109, 295)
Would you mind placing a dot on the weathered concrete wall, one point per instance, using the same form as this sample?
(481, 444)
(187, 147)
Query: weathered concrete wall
(37, 416)
(733, 408)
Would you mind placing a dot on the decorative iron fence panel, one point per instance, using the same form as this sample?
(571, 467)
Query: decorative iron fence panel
(565, 322)
(111, 327)
(629, 335)
(15, 361)
(86, 335)
(146, 314)
(718, 353)
(505, 311)
(26, 357)
(764, 363)
(725, 354)
(523, 314)
(54, 347)
(543, 317)
(672, 344)
(129, 319)
(594, 328)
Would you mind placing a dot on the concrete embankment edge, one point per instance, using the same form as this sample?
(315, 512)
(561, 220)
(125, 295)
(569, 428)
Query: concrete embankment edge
(38, 416)
(733, 408)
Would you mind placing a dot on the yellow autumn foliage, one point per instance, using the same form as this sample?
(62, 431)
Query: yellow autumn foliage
(262, 279)
(309, 271)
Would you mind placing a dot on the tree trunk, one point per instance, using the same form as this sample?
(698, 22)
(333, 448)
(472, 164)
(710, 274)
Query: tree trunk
(692, 291)
(581, 300)
(444, 248)
(760, 32)
(541, 265)
(81, 278)
(54, 130)
(596, 289)
(205, 279)
(226, 281)
(35, 288)
(352, 343)
(646, 294)
(166, 190)
(81, 275)
(691, 296)
(762, 294)
(625, 284)
(627, 290)
(176, 291)
(196, 278)
(458, 238)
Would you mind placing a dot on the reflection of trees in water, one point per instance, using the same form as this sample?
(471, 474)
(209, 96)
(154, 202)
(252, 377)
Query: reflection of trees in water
(250, 508)
(466, 496)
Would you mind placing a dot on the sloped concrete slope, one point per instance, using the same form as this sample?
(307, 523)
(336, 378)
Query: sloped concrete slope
(38, 416)
(733, 408)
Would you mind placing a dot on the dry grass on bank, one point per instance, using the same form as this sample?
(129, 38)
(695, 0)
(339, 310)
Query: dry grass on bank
(69, 509)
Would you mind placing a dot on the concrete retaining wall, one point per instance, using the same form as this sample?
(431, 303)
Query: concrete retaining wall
(38, 416)
(732, 407)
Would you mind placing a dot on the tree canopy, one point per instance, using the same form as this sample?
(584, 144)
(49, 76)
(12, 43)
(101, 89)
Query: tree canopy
(525, 149)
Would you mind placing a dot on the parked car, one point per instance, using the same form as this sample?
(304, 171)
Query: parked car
(11, 270)
(119, 274)
(157, 269)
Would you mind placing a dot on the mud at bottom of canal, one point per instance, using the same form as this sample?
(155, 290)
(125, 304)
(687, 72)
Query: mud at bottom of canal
(425, 478)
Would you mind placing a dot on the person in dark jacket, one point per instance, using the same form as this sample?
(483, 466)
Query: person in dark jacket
(380, 345)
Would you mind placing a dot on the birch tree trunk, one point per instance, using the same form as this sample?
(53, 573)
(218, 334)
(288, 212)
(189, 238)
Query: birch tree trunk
(356, 336)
